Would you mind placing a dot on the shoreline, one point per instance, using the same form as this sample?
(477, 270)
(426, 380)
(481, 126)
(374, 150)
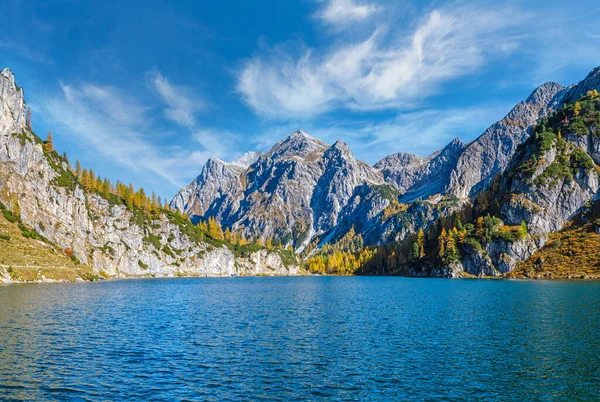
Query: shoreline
(125, 278)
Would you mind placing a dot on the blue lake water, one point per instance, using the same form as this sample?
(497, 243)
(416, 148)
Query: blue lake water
(301, 338)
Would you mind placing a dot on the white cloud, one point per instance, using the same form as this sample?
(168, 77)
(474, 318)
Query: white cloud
(391, 68)
(182, 104)
(220, 143)
(345, 11)
(114, 124)
(119, 127)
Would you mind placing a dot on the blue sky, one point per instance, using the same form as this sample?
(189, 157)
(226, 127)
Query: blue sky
(146, 91)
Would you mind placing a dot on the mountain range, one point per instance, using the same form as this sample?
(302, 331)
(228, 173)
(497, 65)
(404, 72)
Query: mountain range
(478, 208)
(308, 194)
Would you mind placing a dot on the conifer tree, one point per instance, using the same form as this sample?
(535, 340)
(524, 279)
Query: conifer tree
(48, 144)
(421, 242)
(442, 239)
(78, 169)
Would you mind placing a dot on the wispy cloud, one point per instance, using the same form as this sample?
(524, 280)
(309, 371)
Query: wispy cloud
(183, 104)
(389, 69)
(122, 128)
(115, 124)
(345, 11)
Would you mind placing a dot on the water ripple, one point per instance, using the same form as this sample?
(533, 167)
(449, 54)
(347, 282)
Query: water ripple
(282, 339)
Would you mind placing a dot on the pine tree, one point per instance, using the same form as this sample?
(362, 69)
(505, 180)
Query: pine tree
(416, 253)
(479, 227)
(523, 230)
(451, 248)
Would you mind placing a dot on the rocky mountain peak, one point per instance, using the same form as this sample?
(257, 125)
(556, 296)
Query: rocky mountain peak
(591, 81)
(298, 144)
(12, 105)
(543, 94)
(454, 147)
(245, 160)
(6, 73)
(339, 149)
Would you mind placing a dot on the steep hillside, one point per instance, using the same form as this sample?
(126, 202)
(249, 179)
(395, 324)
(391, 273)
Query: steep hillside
(572, 253)
(103, 229)
(25, 255)
(551, 179)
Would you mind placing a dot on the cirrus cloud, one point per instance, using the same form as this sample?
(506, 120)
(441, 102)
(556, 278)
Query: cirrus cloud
(389, 69)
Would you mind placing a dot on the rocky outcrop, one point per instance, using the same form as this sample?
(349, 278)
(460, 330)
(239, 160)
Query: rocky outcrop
(491, 153)
(103, 234)
(420, 178)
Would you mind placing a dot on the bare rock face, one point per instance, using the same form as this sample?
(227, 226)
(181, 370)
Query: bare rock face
(12, 112)
(106, 236)
(421, 177)
(216, 192)
(293, 192)
(341, 176)
(491, 153)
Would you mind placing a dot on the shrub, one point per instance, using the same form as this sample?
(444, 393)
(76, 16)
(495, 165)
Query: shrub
(509, 236)
(153, 239)
(580, 159)
(9, 216)
(142, 265)
(4, 237)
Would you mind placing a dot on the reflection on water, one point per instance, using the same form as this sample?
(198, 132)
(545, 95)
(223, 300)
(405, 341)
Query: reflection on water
(307, 338)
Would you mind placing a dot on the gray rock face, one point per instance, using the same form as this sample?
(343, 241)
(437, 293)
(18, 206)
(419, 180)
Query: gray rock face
(216, 192)
(491, 153)
(293, 192)
(590, 82)
(341, 176)
(421, 177)
(106, 236)
(542, 198)
(12, 112)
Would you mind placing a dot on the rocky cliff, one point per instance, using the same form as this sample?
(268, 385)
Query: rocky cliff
(552, 178)
(103, 233)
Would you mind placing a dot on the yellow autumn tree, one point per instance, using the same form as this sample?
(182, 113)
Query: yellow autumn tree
(49, 144)
(442, 239)
(16, 208)
(421, 242)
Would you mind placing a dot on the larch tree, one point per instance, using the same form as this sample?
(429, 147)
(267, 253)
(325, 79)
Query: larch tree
(442, 239)
(421, 242)
(78, 169)
(48, 144)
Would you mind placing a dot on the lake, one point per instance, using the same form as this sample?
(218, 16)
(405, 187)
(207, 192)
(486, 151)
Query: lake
(310, 338)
